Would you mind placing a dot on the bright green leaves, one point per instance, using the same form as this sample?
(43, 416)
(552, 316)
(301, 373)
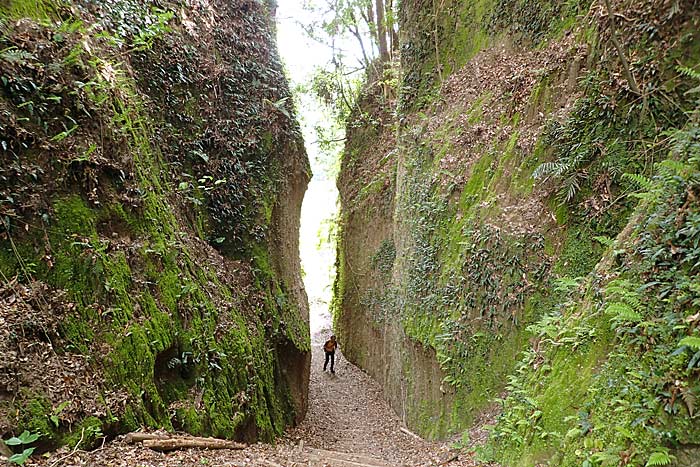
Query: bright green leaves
(659, 458)
(55, 415)
(690, 345)
(153, 30)
(691, 341)
(21, 457)
(24, 439)
(622, 312)
(625, 305)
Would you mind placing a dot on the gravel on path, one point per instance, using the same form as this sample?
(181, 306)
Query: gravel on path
(348, 413)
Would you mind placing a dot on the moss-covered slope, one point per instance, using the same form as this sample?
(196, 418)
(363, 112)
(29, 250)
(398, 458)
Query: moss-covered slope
(150, 189)
(518, 147)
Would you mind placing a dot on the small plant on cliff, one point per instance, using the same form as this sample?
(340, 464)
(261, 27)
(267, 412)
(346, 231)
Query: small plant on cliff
(660, 457)
(383, 259)
(605, 137)
(158, 28)
(694, 75)
(25, 439)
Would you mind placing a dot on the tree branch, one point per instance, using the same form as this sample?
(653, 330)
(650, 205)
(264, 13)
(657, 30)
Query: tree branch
(356, 32)
(623, 58)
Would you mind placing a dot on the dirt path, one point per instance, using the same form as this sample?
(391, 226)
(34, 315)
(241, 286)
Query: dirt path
(347, 414)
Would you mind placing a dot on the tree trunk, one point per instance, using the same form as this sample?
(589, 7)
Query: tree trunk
(391, 28)
(436, 15)
(371, 23)
(381, 31)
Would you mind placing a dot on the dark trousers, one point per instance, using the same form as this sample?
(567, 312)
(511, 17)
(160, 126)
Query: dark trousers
(329, 356)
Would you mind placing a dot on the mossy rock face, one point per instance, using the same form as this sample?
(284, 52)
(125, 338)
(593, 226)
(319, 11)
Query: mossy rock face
(619, 343)
(506, 203)
(687, 457)
(116, 244)
(462, 268)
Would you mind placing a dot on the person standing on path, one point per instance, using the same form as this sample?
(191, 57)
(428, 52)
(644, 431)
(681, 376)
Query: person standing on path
(329, 348)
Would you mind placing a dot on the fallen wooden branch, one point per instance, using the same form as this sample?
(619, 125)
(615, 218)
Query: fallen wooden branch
(410, 433)
(75, 449)
(138, 437)
(173, 443)
(270, 463)
(448, 459)
(166, 442)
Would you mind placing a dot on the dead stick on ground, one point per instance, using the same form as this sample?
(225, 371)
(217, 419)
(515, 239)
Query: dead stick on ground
(453, 457)
(75, 449)
(137, 437)
(410, 433)
(191, 442)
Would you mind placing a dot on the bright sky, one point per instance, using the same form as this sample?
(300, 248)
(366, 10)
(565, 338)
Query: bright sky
(301, 55)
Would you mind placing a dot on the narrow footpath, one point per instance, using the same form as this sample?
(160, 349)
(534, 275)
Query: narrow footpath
(349, 424)
(348, 413)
